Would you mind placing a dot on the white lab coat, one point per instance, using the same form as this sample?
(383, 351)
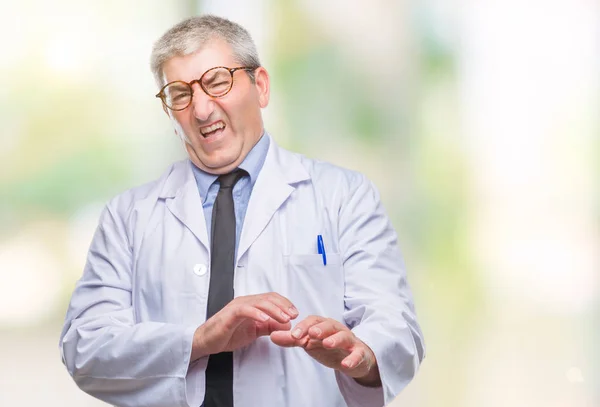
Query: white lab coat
(128, 331)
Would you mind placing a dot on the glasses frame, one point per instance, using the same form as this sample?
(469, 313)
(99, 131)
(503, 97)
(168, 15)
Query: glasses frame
(231, 71)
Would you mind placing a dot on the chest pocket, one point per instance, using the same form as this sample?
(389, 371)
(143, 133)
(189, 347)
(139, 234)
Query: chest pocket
(315, 288)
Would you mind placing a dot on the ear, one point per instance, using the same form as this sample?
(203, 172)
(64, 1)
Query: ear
(262, 86)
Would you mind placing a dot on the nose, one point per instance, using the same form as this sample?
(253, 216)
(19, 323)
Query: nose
(202, 104)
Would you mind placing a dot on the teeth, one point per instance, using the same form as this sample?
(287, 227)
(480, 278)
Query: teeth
(216, 126)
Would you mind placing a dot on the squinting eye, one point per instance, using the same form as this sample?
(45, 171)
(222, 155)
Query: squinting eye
(180, 96)
(219, 87)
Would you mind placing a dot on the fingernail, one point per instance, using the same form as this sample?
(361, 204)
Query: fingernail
(296, 334)
(317, 331)
(285, 316)
(264, 317)
(329, 342)
(293, 311)
(347, 364)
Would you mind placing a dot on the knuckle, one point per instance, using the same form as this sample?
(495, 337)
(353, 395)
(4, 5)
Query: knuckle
(264, 304)
(237, 311)
(276, 298)
(245, 310)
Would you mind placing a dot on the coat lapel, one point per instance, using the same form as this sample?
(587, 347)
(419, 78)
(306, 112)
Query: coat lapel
(184, 201)
(275, 183)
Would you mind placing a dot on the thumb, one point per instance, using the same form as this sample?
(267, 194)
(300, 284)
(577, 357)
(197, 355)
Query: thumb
(265, 328)
(286, 340)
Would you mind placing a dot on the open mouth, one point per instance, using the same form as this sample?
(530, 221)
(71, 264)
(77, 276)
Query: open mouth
(212, 130)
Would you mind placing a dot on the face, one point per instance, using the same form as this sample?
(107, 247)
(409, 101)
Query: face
(218, 132)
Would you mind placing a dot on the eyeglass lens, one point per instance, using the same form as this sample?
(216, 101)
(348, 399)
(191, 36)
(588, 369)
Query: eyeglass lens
(215, 82)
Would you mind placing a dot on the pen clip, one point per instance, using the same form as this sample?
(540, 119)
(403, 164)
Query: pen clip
(321, 249)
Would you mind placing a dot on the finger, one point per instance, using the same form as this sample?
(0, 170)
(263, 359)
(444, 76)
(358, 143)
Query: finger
(303, 326)
(312, 344)
(272, 310)
(340, 340)
(325, 329)
(285, 339)
(238, 312)
(278, 326)
(284, 304)
(262, 328)
(354, 359)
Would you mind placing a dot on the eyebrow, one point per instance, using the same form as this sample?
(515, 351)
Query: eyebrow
(179, 85)
(211, 77)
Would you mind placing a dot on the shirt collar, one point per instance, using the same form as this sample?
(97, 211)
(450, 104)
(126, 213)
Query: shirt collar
(252, 164)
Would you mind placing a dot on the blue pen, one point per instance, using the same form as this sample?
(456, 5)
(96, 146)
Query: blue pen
(321, 249)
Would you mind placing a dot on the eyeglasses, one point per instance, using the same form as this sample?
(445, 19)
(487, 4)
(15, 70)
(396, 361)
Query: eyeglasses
(216, 82)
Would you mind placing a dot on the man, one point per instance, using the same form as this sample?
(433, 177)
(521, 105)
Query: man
(193, 281)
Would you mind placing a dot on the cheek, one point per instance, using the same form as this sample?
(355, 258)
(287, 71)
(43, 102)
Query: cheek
(179, 121)
(176, 124)
(180, 129)
(242, 110)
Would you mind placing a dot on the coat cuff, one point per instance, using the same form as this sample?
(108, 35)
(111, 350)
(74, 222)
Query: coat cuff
(397, 358)
(195, 379)
(357, 395)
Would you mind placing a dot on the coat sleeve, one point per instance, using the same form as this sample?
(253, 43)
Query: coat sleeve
(378, 301)
(108, 354)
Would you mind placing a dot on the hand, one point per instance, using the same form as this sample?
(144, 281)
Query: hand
(241, 322)
(332, 344)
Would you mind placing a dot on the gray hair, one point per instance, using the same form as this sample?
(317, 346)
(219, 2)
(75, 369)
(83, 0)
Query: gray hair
(192, 34)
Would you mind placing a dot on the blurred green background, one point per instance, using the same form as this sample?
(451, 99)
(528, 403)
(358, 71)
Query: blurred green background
(478, 121)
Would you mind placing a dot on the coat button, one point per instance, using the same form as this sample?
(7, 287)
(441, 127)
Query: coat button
(200, 269)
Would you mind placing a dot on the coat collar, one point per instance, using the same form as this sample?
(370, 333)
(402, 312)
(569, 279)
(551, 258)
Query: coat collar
(276, 181)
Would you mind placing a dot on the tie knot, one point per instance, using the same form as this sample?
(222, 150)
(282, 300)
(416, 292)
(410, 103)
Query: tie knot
(229, 180)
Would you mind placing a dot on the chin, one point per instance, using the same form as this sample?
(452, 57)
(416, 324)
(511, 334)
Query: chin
(220, 165)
